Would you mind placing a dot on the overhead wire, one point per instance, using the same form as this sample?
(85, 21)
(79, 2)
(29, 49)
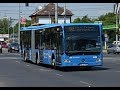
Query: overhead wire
(28, 11)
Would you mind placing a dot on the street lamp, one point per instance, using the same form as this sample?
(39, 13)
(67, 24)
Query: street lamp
(56, 12)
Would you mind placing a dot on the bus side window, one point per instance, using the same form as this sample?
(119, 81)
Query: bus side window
(43, 46)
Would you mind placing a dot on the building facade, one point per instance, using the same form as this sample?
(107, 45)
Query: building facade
(46, 15)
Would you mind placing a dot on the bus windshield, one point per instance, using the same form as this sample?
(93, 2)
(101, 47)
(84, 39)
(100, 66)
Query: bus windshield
(82, 38)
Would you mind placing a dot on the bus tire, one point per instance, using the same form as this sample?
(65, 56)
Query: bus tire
(37, 61)
(53, 62)
(25, 56)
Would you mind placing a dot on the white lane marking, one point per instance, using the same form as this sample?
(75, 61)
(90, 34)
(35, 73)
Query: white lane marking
(8, 58)
(27, 65)
(59, 75)
(117, 71)
(44, 70)
(107, 57)
(41, 69)
(88, 84)
(110, 58)
(17, 61)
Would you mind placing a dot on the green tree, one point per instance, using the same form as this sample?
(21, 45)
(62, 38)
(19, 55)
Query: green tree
(4, 25)
(108, 18)
(77, 20)
(85, 19)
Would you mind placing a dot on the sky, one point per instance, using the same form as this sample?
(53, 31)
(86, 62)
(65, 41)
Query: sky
(93, 10)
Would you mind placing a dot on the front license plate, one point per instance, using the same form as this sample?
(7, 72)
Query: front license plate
(83, 64)
(16, 49)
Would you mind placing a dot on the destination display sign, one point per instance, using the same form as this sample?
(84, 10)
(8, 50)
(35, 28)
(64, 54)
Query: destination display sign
(81, 28)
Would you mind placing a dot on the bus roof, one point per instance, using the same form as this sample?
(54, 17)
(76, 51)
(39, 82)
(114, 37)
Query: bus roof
(55, 25)
(28, 28)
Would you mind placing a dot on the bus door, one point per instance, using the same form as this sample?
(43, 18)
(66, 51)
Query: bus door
(38, 46)
(58, 46)
(41, 47)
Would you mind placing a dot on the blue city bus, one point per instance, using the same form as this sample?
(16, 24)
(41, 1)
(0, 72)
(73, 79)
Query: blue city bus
(63, 45)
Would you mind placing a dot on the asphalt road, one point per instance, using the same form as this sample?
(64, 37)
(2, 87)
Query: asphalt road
(14, 72)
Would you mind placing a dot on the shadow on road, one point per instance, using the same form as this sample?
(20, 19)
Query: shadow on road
(70, 69)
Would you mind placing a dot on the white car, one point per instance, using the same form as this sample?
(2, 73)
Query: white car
(113, 48)
(116, 42)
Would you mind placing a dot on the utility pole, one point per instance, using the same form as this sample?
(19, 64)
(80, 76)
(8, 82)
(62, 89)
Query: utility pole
(13, 34)
(49, 17)
(116, 27)
(19, 26)
(56, 12)
(119, 23)
(65, 13)
(116, 9)
(8, 30)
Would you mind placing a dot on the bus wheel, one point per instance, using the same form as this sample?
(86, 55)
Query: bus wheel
(37, 61)
(25, 57)
(53, 63)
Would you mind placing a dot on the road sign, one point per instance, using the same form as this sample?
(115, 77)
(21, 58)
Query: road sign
(106, 39)
(23, 20)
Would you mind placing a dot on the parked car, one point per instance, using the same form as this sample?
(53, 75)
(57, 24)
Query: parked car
(14, 46)
(116, 42)
(0, 47)
(113, 48)
(4, 45)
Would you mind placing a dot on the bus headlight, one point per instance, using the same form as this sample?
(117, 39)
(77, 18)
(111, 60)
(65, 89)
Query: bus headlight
(67, 60)
(98, 60)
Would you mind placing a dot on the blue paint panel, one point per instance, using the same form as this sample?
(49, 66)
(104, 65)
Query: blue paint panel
(75, 60)
(47, 54)
(78, 60)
